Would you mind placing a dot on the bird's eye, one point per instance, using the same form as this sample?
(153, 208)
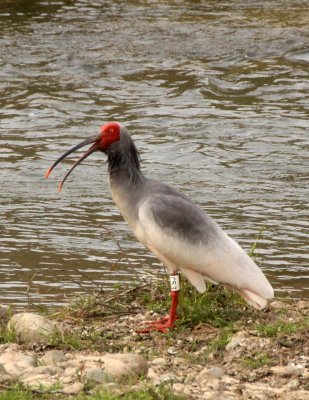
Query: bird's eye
(112, 130)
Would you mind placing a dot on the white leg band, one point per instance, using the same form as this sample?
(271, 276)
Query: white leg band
(174, 280)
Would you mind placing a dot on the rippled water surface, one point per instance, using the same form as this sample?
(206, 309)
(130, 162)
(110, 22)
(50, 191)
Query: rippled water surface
(215, 95)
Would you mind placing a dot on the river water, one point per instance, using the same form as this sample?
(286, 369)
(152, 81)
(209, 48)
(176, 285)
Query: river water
(215, 94)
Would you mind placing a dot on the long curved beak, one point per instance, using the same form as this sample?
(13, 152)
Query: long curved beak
(96, 140)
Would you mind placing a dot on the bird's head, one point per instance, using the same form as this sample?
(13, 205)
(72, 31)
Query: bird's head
(109, 133)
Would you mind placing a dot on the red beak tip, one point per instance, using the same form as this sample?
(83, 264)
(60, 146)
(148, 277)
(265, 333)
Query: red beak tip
(47, 173)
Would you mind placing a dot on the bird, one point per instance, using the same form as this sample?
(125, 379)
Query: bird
(176, 230)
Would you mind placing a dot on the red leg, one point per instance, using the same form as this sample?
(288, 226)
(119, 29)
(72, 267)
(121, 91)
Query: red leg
(168, 322)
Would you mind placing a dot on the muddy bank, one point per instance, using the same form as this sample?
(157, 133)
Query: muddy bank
(256, 355)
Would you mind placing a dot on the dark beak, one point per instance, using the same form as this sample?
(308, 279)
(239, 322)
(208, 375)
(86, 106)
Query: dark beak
(96, 140)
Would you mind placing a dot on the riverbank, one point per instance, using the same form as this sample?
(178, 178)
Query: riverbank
(220, 349)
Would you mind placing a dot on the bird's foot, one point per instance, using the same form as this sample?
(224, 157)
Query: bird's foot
(162, 325)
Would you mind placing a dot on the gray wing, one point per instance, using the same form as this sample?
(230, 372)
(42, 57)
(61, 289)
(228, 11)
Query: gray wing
(186, 236)
(180, 218)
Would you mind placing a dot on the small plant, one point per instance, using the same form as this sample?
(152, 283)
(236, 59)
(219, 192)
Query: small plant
(280, 328)
(7, 336)
(218, 306)
(252, 251)
(257, 361)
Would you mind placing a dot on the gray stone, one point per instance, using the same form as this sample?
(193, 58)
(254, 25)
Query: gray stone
(53, 357)
(95, 375)
(33, 328)
(210, 374)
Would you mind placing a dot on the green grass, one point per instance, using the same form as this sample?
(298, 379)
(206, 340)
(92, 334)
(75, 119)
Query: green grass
(217, 307)
(281, 328)
(218, 344)
(256, 361)
(7, 336)
(163, 392)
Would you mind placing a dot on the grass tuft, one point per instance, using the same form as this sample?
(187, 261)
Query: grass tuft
(256, 361)
(281, 328)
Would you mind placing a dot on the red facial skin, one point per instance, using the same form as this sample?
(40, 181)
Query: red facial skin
(110, 133)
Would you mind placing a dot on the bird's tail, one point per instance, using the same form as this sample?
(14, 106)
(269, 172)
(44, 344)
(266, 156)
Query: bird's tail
(253, 299)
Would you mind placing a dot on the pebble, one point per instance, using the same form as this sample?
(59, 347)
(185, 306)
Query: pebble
(287, 370)
(153, 377)
(160, 362)
(208, 374)
(73, 389)
(236, 340)
(125, 365)
(178, 387)
(178, 361)
(277, 305)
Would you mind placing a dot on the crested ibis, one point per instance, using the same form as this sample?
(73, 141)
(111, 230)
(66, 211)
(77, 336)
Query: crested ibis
(172, 227)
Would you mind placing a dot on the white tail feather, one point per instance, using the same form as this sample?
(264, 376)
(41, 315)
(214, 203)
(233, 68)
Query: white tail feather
(253, 299)
(196, 279)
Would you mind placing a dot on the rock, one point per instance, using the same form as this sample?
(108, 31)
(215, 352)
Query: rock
(9, 347)
(2, 370)
(160, 362)
(302, 305)
(287, 370)
(95, 375)
(278, 305)
(153, 377)
(164, 378)
(33, 328)
(15, 362)
(40, 376)
(73, 389)
(210, 374)
(228, 380)
(178, 388)
(53, 357)
(296, 395)
(178, 361)
(237, 340)
(38, 381)
(220, 395)
(118, 366)
(4, 377)
(293, 384)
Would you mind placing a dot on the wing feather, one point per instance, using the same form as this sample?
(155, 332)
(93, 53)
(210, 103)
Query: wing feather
(186, 236)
